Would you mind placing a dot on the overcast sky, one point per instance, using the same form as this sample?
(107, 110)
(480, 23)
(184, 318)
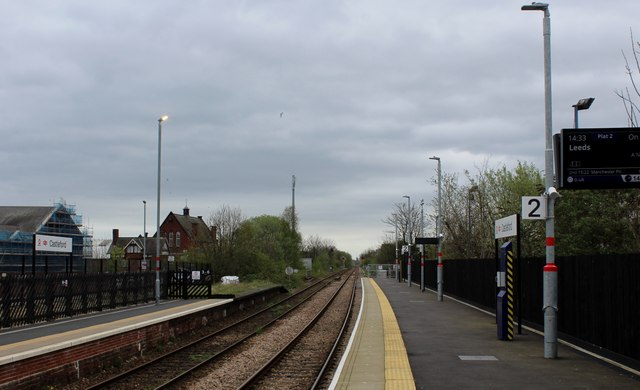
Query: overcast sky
(368, 90)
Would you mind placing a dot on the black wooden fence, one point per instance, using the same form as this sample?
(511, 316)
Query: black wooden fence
(598, 296)
(31, 298)
(187, 284)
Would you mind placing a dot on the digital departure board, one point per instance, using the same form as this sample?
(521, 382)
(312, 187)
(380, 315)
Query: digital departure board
(600, 158)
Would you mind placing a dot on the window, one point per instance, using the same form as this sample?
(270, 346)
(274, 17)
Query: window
(133, 249)
(170, 239)
(178, 240)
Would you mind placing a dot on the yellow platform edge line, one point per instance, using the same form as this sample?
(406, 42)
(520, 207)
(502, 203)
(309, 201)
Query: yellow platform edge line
(397, 371)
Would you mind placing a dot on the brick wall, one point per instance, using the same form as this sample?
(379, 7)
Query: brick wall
(60, 368)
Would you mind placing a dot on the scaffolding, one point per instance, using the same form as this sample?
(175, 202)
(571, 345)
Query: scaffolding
(17, 234)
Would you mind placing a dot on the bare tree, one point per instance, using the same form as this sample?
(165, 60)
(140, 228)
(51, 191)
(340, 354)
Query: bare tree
(313, 245)
(625, 95)
(227, 221)
(407, 221)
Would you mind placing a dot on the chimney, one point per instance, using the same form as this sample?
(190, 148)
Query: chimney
(214, 232)
(115, 236)
(185, 211)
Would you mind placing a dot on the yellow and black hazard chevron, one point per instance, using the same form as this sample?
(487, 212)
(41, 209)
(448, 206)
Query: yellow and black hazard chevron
(510, 304)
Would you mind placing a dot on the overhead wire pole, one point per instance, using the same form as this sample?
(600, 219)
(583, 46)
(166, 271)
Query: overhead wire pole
(550, 271)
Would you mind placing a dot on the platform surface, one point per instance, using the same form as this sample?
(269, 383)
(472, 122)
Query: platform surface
(25, 342)
(404, 339)
(451, 345)
(375, 358)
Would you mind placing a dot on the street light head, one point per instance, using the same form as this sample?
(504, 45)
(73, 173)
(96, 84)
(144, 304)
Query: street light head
(163, 118)
(406, 196)
(535, 7)
(584, 104)
(434, 158)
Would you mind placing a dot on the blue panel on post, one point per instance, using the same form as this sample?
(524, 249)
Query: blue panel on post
(501, 312)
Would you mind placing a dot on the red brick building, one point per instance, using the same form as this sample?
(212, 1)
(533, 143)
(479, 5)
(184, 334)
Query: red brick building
(183, 232)
(134, 247)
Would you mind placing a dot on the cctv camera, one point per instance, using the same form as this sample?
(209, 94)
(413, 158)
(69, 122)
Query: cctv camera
(553, 193)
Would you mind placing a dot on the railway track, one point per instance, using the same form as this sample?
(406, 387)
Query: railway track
(303, 362)
(174, 366)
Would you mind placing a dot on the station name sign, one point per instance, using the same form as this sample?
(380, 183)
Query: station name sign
(600, 158)
(506, 227)
(54, 243)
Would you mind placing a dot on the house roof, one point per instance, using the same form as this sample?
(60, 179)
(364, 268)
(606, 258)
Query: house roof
(26, 219)
(124, 242)
(188, 223)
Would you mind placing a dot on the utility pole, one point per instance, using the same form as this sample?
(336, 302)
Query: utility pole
(293, 202)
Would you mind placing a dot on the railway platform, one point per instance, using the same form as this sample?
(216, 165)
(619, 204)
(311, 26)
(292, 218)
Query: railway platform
(404, 339)
(451, 345)
(25, 342)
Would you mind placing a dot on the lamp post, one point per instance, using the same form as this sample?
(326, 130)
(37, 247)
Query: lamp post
(421, 245)
(160, 120)
(409, 238)
(144, 234)
(550, 271)
(583, 104)
(395, 223)
(439, 229)
(472, 189)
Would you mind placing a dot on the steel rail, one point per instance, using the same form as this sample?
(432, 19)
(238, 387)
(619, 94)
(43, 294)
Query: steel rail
(122, 376)
(276, 358)
(334, 349)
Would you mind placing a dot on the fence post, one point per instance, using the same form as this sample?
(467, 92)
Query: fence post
(113, 290)
(68, 296)
(7, 298)
(185, 287)
(50, 282)
(100, 277)
(85, 305)
(125, 288)
(30, 299)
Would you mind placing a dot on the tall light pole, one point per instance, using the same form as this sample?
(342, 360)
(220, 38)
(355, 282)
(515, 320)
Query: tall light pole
(550, 271)
(583, 104)
(395, 223)
(421, 245)
(421, 217)
(144, 234)
(472, 189)
(439, 229)
(160, 120)
(409, 238)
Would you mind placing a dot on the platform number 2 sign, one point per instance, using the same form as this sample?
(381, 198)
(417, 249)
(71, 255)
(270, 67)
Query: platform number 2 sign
(534, 207)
